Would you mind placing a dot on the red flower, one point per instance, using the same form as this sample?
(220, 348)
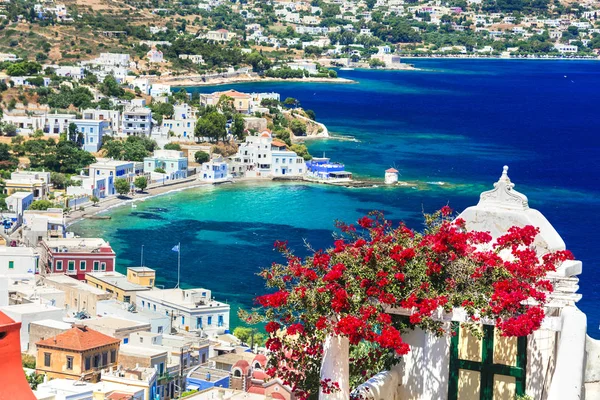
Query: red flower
(295, 329)
(366, 222)
(274, 300)
(446, 211)
(272, 327)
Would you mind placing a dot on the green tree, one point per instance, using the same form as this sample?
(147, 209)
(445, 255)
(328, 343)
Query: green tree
(291, 102)
(141, 182)
(110, 87)
(201, 157)
(95, 200)
(298, 127)
(58, 180)
(237, 127)
(122, 186)
(41, 205)
(172, 146)
(34, 380)
(211, 126)
(248, 335)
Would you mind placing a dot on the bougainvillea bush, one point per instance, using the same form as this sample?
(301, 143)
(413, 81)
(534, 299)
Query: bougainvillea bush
(374, 267)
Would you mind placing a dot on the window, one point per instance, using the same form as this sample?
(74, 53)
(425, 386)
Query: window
(103, 266)
(160, 329)
(182, 320)
(11, 265)
(91, 130)
(125, 340)
(155, 308)
(96, 363)
(59, 264)
(83, 129)
(151, 282)
(88, 363)
(96, 265)
(91, 139)
(69, 362)
(127, 299)
(71, 266)
(220, 323)
(209, 322)
(198, 322)
(105, 358)
(82, 265)
(148, 306)
(113, 356)
(47, 359)
(143, 303)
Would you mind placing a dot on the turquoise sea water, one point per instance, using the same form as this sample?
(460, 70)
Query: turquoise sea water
(449, 127)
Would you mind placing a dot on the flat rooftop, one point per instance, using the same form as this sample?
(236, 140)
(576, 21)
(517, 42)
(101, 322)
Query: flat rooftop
(29, 308)
(182, 297)
(208, 374)
(232, 358)
(51, 323)
(114, 323)
(104, 163)
(147, 351)
(141, 269)
(117, 280)
(68, 281)
(76, 244)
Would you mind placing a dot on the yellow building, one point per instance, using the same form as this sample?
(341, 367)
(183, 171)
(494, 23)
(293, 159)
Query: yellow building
(141, 276)
(77, 353)
(240, 101)
(123, 287)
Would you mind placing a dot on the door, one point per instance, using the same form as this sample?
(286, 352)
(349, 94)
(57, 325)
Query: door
(485, 365)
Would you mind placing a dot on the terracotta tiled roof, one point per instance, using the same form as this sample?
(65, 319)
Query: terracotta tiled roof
(243, 365)
(261, 358)
(78, 338)
(278, 143)
(235, 93)
(256, 389)
(391, 170)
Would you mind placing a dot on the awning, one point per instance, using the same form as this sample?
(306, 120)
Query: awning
(192, 387)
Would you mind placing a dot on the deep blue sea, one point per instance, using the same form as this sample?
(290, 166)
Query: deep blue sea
(449, 127)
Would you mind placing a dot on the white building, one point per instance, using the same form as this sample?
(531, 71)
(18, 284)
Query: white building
(137, 121)
(195, 58)
(142, 83)
(18, 202)
(214, 171)
(190, 309)
(58, 123)
(112, 117)
(65, 71)
(159, 323)
(566, 48)
(18, 261)
(103, 173)
(173, 162)
(8, 57)
(160, 89)
(391, 176)
(263, 156)
(27, 313)
(155, 56)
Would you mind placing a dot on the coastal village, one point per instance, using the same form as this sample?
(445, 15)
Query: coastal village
(96, 111)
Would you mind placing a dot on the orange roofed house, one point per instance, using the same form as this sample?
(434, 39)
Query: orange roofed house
(77, 353)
